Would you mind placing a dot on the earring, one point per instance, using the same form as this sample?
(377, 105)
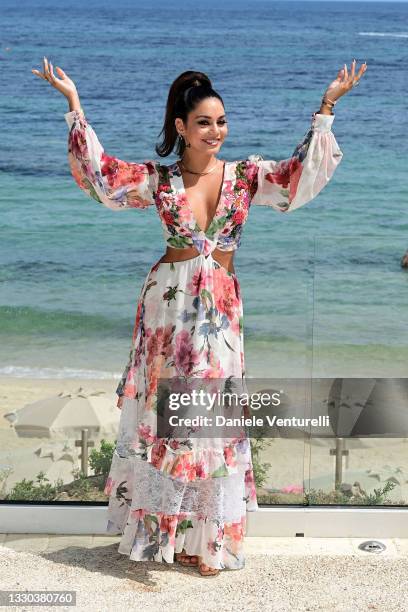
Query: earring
(182, 138)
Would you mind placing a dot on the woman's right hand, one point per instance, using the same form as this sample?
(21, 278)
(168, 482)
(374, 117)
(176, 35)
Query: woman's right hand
(120, 401)
(65, 85)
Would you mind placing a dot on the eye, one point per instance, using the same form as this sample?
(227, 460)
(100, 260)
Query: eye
(205, 122)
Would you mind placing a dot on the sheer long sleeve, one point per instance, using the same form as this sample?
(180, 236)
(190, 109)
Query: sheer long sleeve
(123, 379)
(290, 183)
(112, 182)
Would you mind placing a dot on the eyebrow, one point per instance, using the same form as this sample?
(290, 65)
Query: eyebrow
(208, 117)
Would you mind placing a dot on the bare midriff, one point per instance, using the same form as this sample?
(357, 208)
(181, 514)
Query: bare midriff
(224, 258)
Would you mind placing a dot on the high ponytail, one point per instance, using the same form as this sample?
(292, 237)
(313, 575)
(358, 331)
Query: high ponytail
(186, 92)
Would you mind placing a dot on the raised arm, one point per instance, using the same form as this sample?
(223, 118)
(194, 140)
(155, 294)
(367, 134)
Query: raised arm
(115, 183)
(289, 183)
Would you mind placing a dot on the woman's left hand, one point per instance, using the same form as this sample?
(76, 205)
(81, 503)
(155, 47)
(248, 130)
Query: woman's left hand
(344, 81)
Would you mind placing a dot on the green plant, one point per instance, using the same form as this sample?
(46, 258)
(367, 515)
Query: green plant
(81, 485)
(100, 460)
(380, 495)
(277, 498)
(27, 490)
(258, 444)
(317, 497)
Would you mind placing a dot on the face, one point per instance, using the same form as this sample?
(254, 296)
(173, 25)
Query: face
(206, 127)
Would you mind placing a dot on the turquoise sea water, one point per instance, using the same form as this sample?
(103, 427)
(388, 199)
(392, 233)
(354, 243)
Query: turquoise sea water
(323, 290)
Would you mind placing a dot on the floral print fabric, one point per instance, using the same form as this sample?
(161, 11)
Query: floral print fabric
(166, 494)
(189, 324)
(159, 516)
(284, 185)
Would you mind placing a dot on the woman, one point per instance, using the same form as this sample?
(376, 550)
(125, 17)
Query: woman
(187, 497)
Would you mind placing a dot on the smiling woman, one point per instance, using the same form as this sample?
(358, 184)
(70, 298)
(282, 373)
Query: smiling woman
(169, 495)
(187, 498)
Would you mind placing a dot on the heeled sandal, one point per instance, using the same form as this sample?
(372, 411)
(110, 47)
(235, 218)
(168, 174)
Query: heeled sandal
(210, 571)
(186, 560)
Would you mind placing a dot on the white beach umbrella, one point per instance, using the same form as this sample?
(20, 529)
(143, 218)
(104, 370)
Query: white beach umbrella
(65, 415)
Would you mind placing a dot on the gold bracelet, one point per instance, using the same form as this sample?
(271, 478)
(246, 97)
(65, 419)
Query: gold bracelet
(329, 103)
(328, 99)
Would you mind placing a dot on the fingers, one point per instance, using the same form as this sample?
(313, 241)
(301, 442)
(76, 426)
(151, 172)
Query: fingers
(348, 81)
(352, 79)
(362, 69)
(53, 77)
(38, 73)
(48, 74)
(352, 75)
(360, 73)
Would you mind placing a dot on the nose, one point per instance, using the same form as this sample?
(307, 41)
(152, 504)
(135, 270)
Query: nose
(215, 134)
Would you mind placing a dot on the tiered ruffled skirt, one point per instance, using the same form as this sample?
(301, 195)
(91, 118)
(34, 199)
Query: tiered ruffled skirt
(165, 497)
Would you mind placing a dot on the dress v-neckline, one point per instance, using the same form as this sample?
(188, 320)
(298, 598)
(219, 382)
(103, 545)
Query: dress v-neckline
(182, 189)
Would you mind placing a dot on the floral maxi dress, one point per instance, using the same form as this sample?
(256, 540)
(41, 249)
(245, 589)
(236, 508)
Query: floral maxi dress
(165, 496)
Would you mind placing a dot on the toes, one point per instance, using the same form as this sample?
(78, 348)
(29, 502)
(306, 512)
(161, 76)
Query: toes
(186, 559)
(207, 569)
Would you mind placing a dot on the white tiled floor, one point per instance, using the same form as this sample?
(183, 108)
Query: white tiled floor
(280, 546)
(322, 546)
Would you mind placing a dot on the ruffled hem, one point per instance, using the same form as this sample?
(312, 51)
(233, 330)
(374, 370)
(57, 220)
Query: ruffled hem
(157, 536)
(120, 483)
(159, 516)
(198, 463)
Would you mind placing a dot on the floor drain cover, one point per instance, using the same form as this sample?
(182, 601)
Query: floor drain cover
(373, 546)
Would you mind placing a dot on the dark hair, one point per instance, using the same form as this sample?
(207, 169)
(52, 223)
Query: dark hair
(185, 93)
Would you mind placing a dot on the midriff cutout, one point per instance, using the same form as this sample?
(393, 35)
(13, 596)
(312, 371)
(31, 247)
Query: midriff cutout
(224, 258)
